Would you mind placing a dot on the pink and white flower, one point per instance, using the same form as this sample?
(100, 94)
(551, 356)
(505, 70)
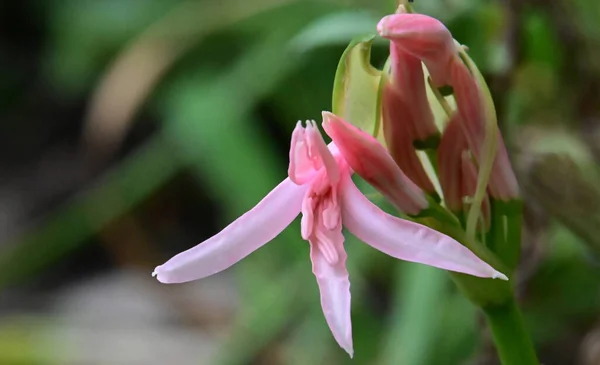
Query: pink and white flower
(319, 186)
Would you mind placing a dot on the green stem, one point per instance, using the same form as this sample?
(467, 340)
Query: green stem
(512, 341)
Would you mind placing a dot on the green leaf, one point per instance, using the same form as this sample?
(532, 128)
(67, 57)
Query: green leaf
(356, 86)
(416, 319)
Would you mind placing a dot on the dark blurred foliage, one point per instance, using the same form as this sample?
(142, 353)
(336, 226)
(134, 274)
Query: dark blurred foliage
(133, 129)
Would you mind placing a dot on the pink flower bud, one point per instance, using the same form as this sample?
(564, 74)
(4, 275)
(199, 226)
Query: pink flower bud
(469, 187)
(457, 171)
(408, 82)
(369, 159)
(425, 38)
(397, 126)
(430, 41)
(450, 150)
(470, 104)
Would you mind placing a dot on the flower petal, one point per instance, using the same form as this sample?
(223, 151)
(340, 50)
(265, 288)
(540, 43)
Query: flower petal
(369, 159)
(301, 168)
(449, 153)
(424, 37)
(407, 240)
(245, 235)
(409, 86)
(334, 286)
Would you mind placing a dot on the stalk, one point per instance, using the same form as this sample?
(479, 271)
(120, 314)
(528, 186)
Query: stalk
(510, 336)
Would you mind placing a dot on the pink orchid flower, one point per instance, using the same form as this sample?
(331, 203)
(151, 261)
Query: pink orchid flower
(320, 187)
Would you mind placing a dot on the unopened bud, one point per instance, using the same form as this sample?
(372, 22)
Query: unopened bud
(457, 171)
(397, 121)
(371, 161)
(425, 38)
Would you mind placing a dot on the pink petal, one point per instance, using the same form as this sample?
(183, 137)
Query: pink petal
(424, 37)
(469, 187)
(407, 240)
(242, 237)
(450, 150)
(334, 286)
(316, 141)
(369, 159)
(301, 168)
(397, 121)
(503, 183)
(408, 82)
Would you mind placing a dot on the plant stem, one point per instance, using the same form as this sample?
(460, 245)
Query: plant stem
(512, 340)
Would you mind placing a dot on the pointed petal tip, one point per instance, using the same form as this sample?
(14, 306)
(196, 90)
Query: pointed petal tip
(166, 276)
(327, 116)
(382, 28)
(347, 346)
(159, 275)
(499, 275)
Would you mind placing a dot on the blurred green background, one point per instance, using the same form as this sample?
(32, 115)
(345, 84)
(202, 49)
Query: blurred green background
(131, 130)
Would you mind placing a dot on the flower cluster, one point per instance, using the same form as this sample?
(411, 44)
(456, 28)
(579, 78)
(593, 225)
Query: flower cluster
(319, 186)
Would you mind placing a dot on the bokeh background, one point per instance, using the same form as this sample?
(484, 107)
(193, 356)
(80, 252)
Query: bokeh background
(133, 129)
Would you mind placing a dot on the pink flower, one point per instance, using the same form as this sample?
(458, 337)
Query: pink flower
(320, 187)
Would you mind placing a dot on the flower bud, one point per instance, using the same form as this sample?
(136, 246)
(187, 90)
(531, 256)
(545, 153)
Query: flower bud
(430, 41)
(452, 145)
(457, 171)
(423, 37)
(471, 105)
(397, 122)
(408, 82)
(370, 160)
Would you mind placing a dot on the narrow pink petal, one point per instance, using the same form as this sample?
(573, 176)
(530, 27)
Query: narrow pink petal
(334, 286)
(469, 104)
(315, 139)
(397, 121)
(409, 86)
(469, 187)
(450, 150)
(407, 240)
(503, 182)
(300, 169)
(242, 237)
